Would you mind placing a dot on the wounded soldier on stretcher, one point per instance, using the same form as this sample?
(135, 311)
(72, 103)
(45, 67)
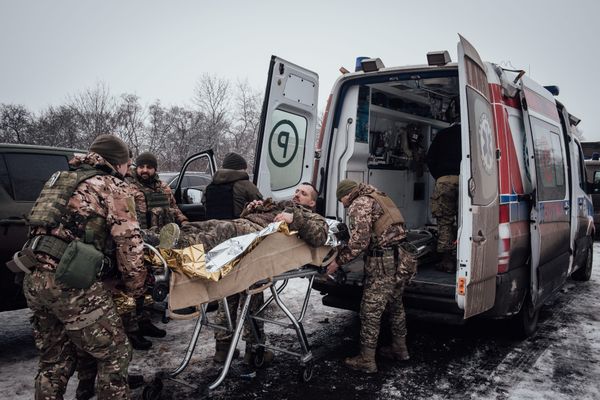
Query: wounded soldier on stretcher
(297, 213)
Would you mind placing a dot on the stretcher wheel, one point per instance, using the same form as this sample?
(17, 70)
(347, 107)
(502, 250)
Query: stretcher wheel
(153, 390)
(259, 357)
(307, 372)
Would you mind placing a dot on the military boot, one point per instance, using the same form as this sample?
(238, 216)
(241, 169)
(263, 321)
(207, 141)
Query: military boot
(397, 351)
(85, 389)
(364, 361)
(147, 328)
(169, 235)
(250, 354)
(135, 381)
(139, 342)
(221, 350)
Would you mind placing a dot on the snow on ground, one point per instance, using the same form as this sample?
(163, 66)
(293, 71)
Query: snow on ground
(561, 361)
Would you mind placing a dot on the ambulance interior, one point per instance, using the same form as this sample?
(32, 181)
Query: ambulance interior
(396, 120)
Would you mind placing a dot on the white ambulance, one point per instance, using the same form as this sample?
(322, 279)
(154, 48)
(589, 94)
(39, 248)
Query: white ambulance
(524, 220)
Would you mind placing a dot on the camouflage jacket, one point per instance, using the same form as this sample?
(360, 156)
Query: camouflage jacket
(311, 227)
(155, 216)
(108, 197)
(363, 212)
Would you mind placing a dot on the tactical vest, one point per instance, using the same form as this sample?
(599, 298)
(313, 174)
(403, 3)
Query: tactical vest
(158, 204)
(50, 211)
(391, 213)
(219, 201)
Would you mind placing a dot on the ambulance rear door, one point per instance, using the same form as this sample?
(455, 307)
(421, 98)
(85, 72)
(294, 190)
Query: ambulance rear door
(478, 198)
(286, 139)
(551, 206)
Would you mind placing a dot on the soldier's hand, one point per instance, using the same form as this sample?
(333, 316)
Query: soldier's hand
(254, 204)
(331, 268)
(284, 216)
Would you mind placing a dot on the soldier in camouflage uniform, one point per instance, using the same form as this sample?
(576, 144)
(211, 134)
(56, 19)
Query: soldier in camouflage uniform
(443, 161)
(69, 320)
(299, 216)
(376, 228)
(159, 207)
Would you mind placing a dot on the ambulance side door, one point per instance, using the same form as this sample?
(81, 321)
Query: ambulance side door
(478, 234)
(285, 149)
(551, 206)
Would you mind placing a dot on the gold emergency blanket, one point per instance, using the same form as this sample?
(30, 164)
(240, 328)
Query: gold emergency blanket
(221, 260)
(272, 256)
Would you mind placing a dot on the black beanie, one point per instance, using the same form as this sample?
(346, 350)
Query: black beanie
(146, 158)
(234, 161)
(111, 148)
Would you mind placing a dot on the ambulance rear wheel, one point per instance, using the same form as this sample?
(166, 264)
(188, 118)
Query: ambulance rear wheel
(526, 321)
(584, 273)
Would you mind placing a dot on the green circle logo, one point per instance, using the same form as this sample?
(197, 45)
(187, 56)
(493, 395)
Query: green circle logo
(279, 143)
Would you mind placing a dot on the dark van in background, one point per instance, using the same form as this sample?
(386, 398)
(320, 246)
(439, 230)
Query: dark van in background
(23, 171)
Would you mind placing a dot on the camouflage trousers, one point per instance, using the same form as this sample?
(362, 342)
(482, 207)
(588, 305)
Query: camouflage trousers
(76, 324)
(236, 302)
(213, 232)
(384, 287)
(444, 207)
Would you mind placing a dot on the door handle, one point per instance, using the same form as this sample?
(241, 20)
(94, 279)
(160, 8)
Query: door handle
(479, 238)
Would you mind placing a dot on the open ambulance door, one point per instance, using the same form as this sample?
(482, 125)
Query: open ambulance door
(286, 139)
(478, 198)
(550, 208)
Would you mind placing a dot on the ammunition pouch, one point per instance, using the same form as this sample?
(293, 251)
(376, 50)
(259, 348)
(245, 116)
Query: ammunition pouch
(22, 261)
(50, 245)
(80, 265)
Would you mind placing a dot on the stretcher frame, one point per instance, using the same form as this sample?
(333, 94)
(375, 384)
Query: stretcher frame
(276, 285)
(305, 355)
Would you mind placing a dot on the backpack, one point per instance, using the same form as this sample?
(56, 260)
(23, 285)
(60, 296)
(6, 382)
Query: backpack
(219, 201)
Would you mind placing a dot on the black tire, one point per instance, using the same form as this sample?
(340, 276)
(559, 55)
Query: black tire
(525, 322)
(584, 273)
(153, 390)
(259, 357)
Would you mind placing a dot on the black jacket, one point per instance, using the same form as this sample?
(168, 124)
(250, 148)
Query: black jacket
(444, 154)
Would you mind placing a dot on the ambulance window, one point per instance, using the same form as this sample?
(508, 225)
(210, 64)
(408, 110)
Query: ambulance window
(286, 149)
(549, 163)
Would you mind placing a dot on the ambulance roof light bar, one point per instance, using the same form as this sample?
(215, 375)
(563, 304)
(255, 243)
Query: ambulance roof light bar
(372, 64)
(438, 58)
(553, 89)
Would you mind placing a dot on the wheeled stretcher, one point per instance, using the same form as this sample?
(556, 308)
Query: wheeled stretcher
(268, 267)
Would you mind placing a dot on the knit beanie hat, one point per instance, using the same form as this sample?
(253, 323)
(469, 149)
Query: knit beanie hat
(234, 161)
(148, 159)
(111, 148)
(345, 187)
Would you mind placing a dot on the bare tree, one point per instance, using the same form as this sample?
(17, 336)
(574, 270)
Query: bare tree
(15, 123)
(95, 109)
(57, 126)
(212, 97)
(244, 126)
(129, 121)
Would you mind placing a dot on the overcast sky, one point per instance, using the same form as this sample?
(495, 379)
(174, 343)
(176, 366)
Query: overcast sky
(159, 49)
